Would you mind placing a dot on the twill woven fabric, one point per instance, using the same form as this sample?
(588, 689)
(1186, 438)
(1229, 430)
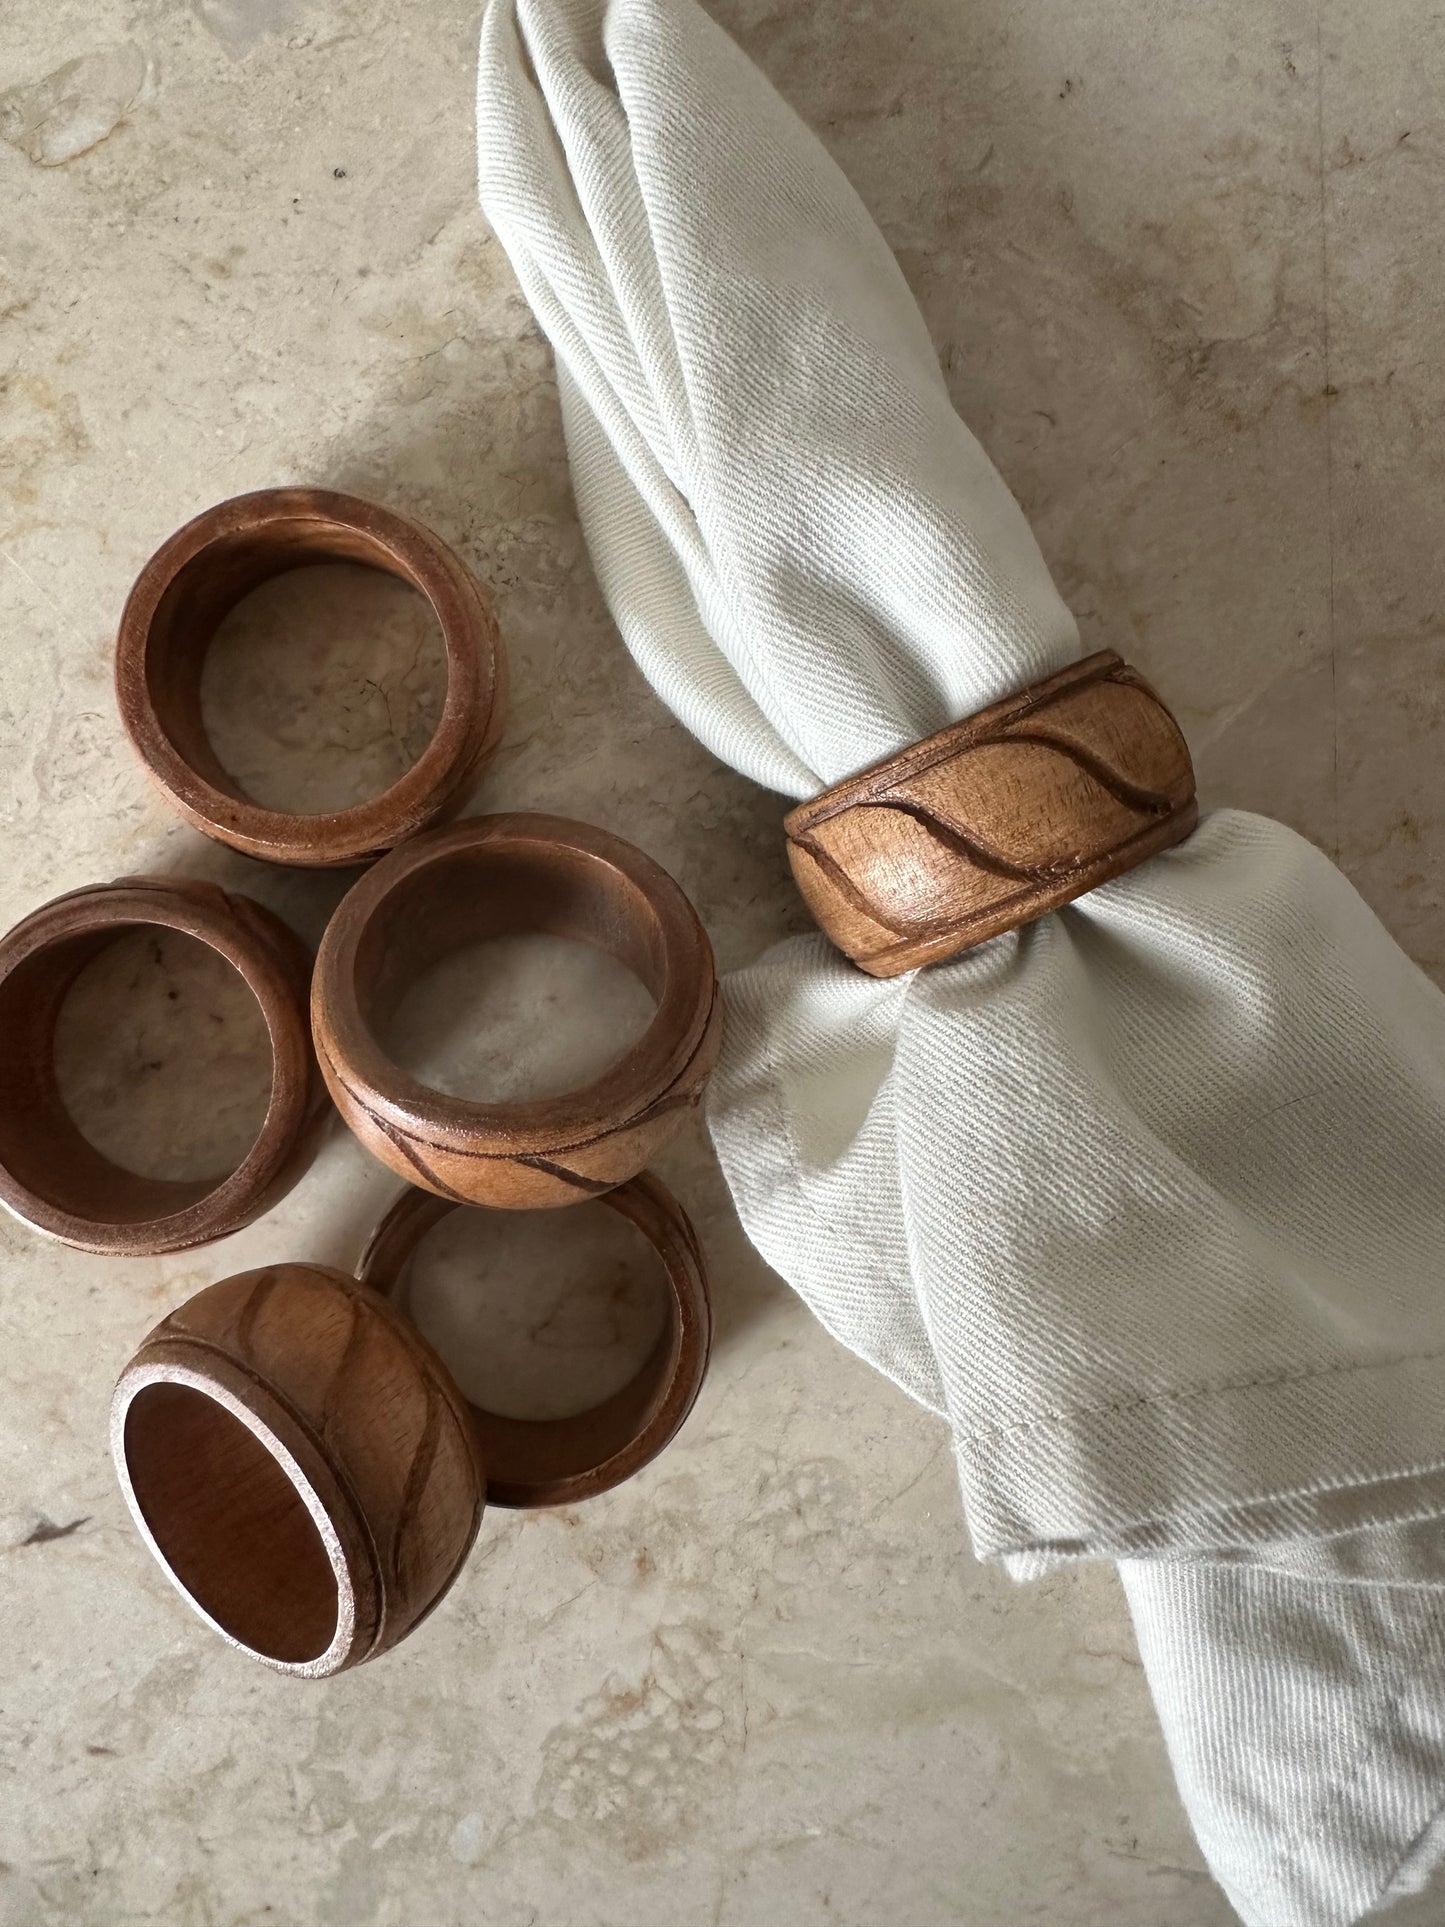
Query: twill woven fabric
(1148, 1198)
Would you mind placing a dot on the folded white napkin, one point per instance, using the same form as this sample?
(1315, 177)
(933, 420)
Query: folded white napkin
(1148, 1198)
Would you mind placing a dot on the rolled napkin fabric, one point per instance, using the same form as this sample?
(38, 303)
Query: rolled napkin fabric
(1147, 1198)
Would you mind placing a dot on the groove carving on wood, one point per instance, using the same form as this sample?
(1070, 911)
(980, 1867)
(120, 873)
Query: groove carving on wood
(491, 876)
(301, 1463)
(995, 820)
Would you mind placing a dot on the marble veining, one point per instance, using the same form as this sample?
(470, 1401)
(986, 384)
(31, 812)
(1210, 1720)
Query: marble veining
(1181, 265)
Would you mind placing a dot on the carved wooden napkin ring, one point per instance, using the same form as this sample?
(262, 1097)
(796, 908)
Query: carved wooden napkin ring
(494, 876)
(301, 1464)
(537, 1462)
(203, 571)
(51, 1176)
(995, 820)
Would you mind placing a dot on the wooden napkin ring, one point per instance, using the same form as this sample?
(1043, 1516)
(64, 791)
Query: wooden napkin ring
(51, 1176)
(300, 1462)
(995, 820)
(493, 876)
(203, 571)
(539, 1462)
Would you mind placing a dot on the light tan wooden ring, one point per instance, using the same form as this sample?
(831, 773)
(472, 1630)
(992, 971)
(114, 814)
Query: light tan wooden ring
(995, 820)
(200, 574)
(301, 1464)
(494, 876)
(540, 1462)
(53, 1178)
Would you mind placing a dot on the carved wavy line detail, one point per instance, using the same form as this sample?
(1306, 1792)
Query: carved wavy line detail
(1018, 725)
(331, 1397)
(1132, 795)
(255, 1302)
(594, 1187)
(958, 841)
(415, 1483)
(1100, 868)
(952, 840)
(1151, 803)
(844, 884)
(670, 1099)
(410, 1153)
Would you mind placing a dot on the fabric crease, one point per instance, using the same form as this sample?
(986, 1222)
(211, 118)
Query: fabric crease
(1148, 1198)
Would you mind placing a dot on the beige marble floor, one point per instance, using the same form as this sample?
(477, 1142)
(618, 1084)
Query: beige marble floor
(1183, 266)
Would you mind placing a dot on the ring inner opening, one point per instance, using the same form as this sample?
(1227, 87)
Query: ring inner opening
(520, 1453)
(136, 1076)
(299, 669)
(540, 1315)
(230, 1524)
(489, 978)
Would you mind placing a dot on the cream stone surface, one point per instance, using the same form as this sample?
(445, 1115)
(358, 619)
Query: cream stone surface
(1182, 264)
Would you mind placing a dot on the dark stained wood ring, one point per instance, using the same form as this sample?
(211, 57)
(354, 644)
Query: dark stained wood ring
(301, 1463)
(540, 1462)
(995, 820)
(493, 876)
(200, 574)
(53, 1178)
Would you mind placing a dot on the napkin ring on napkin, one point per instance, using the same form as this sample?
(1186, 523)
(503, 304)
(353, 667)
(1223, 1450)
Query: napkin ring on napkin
(996, 819)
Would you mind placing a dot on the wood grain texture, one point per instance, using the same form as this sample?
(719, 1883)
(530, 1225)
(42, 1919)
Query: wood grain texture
(53, 1178)
(995, 820)
(301, 1464)
(495, 876)
(193, 581)
(540, 1462)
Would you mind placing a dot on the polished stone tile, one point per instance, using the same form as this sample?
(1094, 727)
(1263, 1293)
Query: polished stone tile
(1181, 265)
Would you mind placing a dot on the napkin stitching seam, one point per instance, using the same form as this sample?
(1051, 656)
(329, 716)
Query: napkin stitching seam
(1207, 1390)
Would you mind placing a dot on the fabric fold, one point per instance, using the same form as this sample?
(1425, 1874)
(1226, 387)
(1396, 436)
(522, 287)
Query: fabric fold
(1147, 1198)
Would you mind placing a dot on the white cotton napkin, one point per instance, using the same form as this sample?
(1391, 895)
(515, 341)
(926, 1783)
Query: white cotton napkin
(1148, 1198)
